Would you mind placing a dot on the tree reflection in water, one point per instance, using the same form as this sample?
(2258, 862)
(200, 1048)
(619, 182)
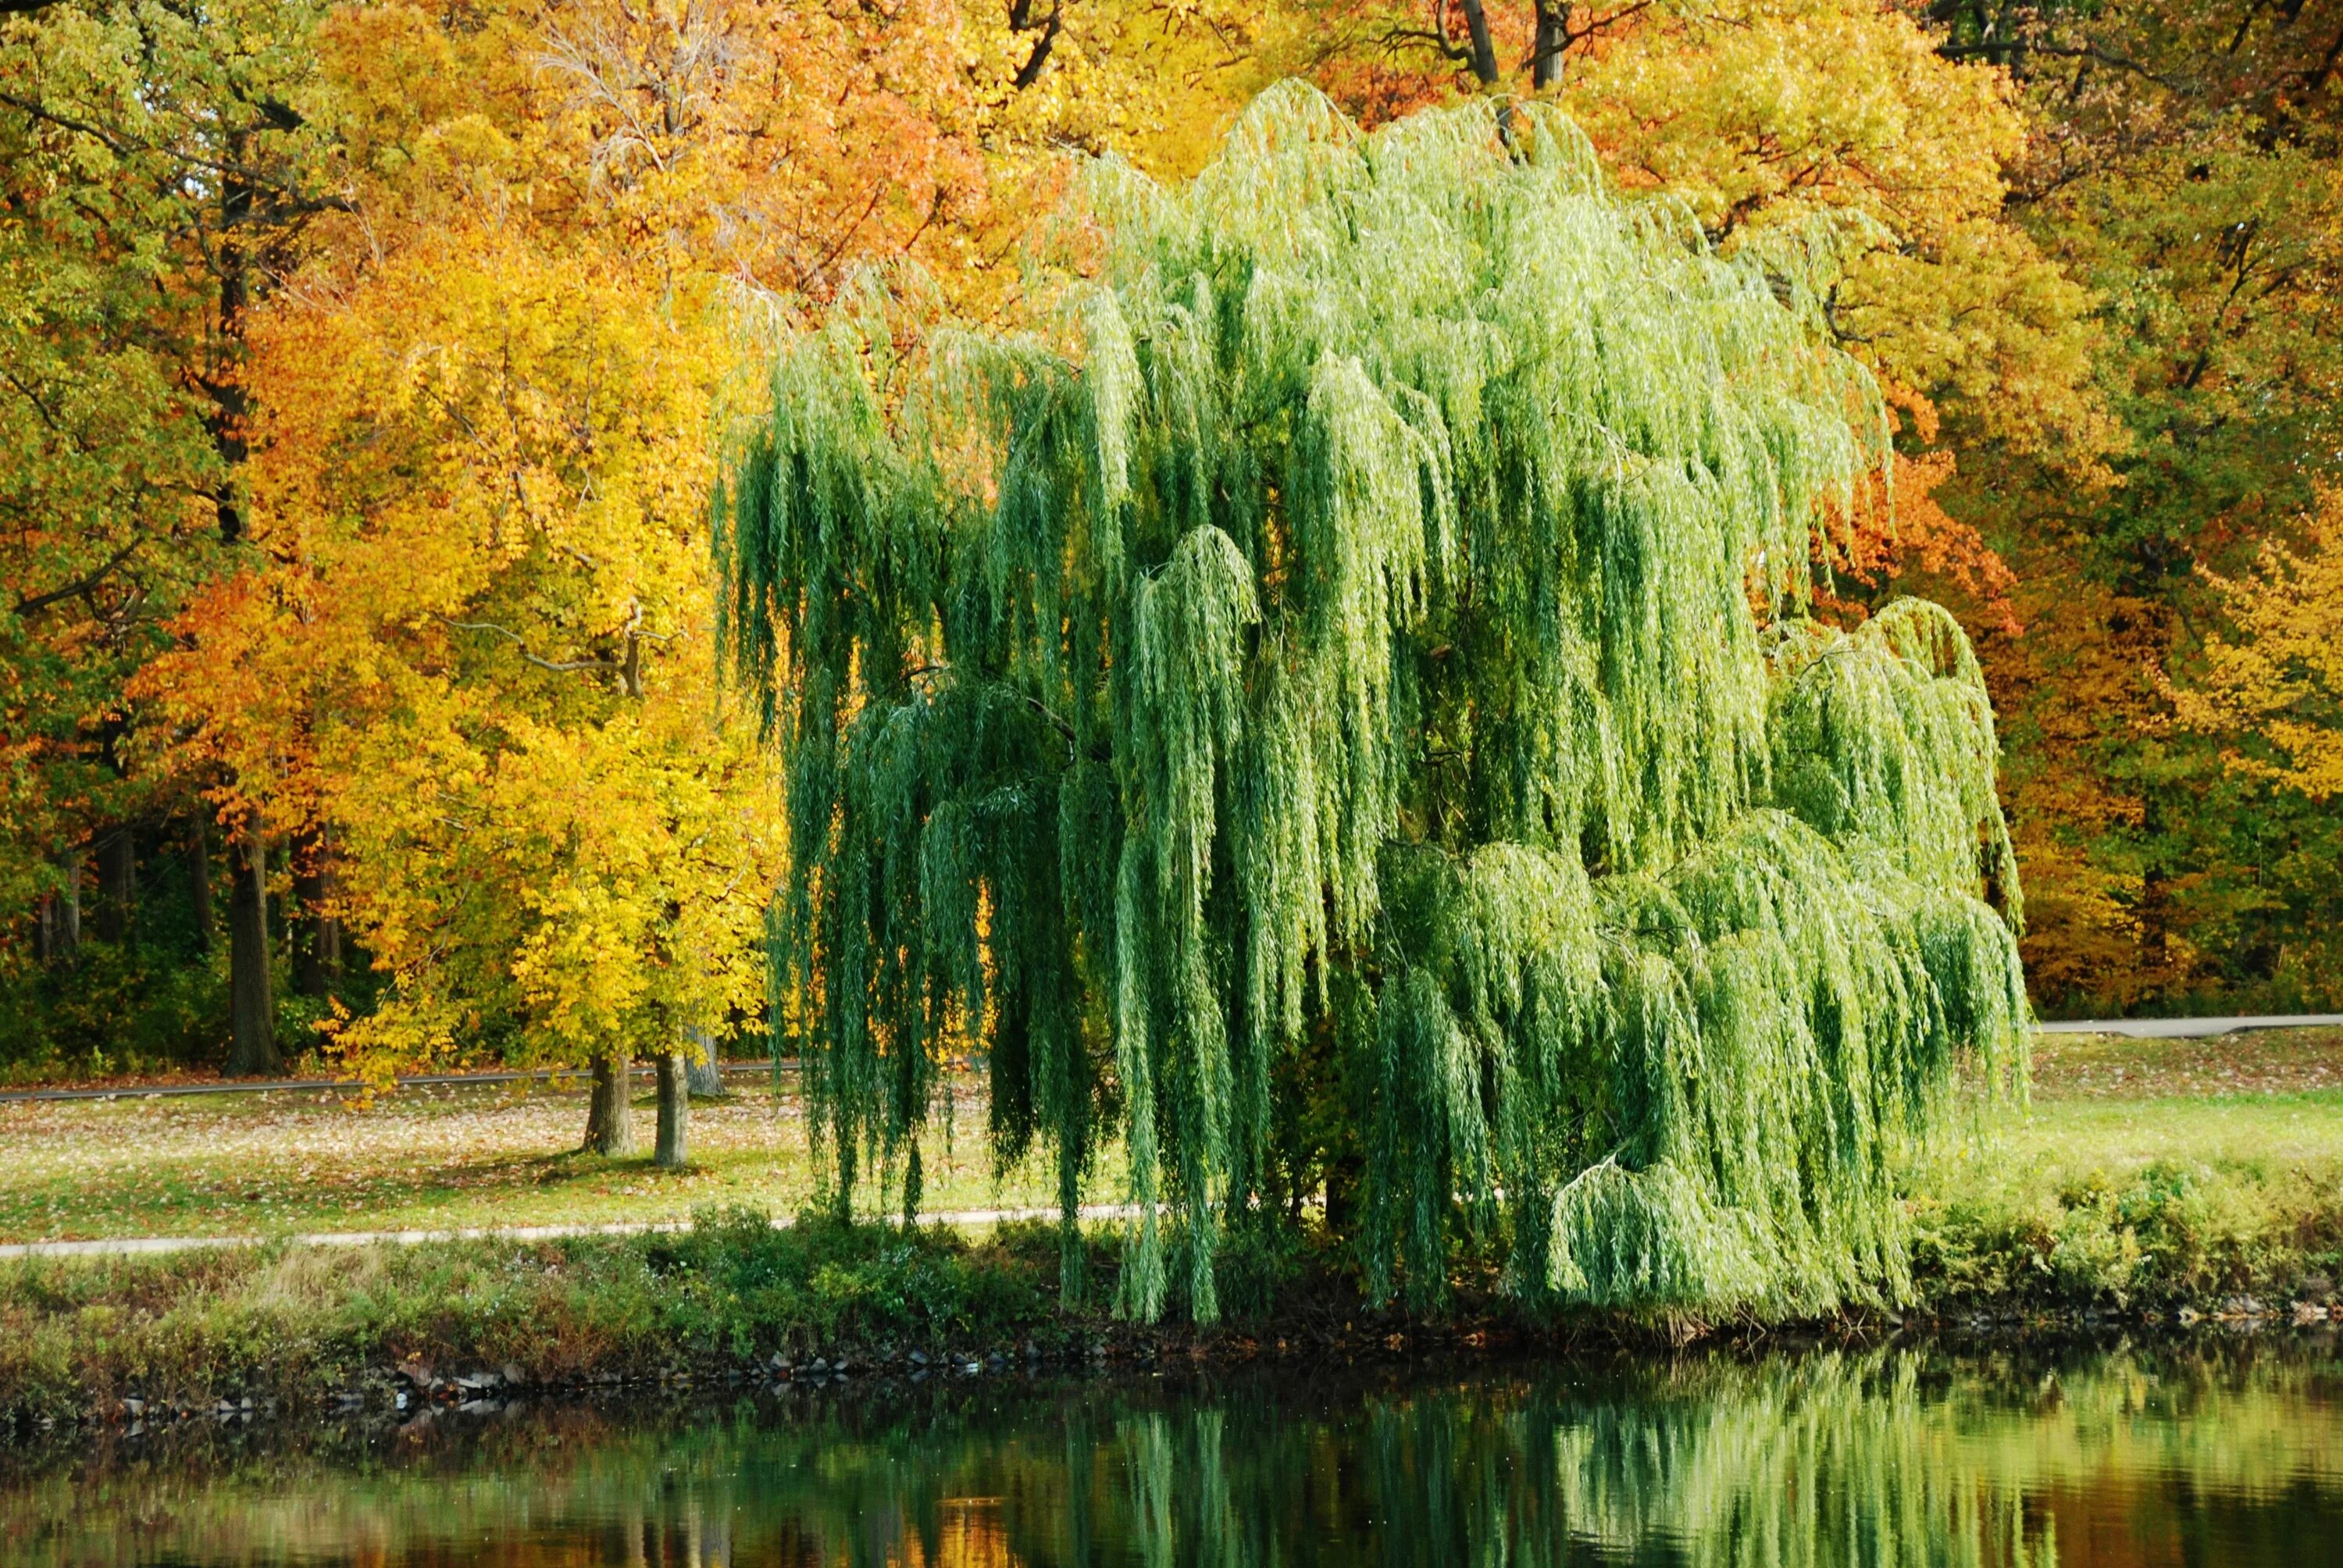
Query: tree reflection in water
(1876, 1459)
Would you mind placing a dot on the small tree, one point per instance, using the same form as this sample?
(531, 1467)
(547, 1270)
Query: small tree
(1357, 621)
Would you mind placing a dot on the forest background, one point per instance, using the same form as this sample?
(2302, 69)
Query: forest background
(365, 370)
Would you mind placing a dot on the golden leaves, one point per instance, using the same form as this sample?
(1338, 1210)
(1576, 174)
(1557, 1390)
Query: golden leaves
(2273, 684)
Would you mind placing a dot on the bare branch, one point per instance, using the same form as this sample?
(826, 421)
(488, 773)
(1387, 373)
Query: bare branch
(291, 201)
(521, 645)
(2084, 51)
(35, 604)
(628, 666)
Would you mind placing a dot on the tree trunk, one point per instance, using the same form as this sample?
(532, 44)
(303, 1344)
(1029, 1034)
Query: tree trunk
(674, 1112)
(1551, 41)
(231, 408)
(700, 1072)
(252, 1021)
(59, 939)
(609, 1118)
(318, 946)
(1485, 47)
(117, 883)
(199, 878)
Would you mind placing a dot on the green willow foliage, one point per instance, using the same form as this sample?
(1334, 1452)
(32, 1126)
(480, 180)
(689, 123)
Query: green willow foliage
(1363, 615)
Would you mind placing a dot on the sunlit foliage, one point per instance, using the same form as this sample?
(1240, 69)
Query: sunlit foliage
(2274, 688)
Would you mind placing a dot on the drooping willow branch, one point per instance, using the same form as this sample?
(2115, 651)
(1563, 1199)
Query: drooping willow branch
(1358, 621)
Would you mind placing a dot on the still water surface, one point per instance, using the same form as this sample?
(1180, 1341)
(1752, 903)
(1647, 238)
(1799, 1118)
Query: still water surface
(2228, 1455)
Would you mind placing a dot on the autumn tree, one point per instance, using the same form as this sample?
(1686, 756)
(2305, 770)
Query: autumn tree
(2270, 686)
(2183, 166)
(160, 164)
(483, 442)
(1359, 610)
(1152, 82)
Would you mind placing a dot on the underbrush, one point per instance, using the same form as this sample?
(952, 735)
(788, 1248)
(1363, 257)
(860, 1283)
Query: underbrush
(290, 1321)
(129, 1008)
(295, 1323)
(116, 1009)
(2169, 1234)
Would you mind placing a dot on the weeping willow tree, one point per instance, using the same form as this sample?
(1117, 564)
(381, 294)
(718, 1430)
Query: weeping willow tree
(1359, 615)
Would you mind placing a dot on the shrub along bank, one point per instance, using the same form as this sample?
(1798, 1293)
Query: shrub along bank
(2167, 1234)
(735, 1297)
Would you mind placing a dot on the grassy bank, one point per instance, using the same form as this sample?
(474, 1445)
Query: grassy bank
(292, 1323)
(2145, 1176)
(2145, 1181)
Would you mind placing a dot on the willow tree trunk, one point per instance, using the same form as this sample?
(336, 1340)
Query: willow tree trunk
(117, 883)
(251, 1008)
(609, 1118)
(674, 1112)
(199, 878)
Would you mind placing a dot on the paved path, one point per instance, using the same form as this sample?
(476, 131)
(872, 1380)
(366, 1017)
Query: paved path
(2190, 1028)
(127, 1246)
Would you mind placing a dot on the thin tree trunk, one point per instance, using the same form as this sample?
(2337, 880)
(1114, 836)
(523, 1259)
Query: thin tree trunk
(230, 405)
(317, 951)
(252, 1011)
(199, 878)
(609, 1118)
(60, 939)
(700, 1072)
(674, 1112)
(117, 883)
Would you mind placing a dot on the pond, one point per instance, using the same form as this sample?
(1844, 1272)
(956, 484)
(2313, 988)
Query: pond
(2222, 1453)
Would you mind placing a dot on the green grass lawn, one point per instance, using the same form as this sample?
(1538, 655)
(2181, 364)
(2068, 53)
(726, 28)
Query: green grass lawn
(2269, 1138)
(2265, 1109)
(429, 1159)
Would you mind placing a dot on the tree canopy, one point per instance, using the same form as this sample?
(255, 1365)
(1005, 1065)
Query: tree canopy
(1356, 616)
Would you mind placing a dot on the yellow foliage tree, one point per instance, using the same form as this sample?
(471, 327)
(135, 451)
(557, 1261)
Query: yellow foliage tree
(2273, 685)
(485, 435)
(1155, 81)
(1835, 134)
(478, 658)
